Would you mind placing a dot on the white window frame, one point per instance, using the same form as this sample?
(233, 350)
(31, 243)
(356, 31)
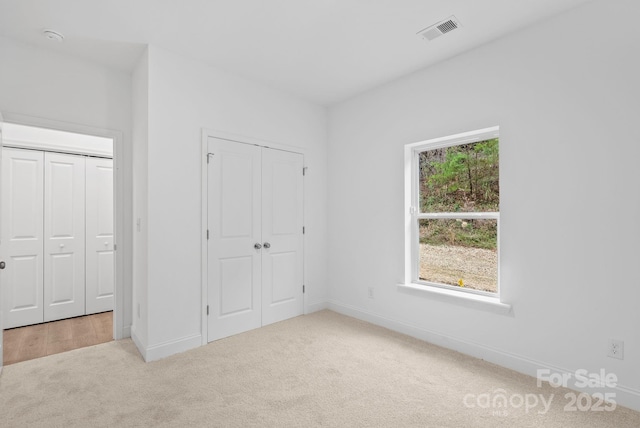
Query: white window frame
(412, 217)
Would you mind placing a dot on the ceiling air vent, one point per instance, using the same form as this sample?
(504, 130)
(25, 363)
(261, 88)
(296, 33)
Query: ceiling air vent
(440, 28)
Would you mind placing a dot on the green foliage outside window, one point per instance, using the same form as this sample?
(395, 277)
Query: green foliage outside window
(462, 178)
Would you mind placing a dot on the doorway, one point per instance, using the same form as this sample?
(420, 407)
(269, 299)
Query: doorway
(41, 340)
(60, 282)
(254, 248)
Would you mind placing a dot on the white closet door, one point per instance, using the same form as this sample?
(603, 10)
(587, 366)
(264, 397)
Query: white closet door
(234, 207)
(255, 247)
(282, 208)
(64, 236)
(22, 235)
(99, 221)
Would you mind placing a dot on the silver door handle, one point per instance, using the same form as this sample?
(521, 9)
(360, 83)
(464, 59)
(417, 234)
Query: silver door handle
(267, 245)
(257, 246)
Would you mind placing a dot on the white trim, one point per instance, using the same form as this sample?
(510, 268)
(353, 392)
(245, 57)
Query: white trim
(206, 134)
(204, 254)
(136, 341)
(316, 306)
(118, 206)
(305, 299)
(47, 139)
(625, 396)
(456, 139)
(463, 215)
(470, 299)
(237, 138)
(409, 183)
(166, 349)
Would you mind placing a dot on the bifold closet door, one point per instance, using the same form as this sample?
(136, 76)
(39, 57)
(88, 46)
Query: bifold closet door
(22, 237)
(64, 236)
(99, 230)
(255, 265)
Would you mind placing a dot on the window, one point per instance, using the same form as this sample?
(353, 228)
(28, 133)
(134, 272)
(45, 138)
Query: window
(454, 216)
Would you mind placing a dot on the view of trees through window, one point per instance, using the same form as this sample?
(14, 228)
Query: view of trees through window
(460, 250)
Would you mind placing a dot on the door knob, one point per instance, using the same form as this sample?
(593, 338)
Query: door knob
(267, 245)
(61, 245)
(3, 265)
(257, 246)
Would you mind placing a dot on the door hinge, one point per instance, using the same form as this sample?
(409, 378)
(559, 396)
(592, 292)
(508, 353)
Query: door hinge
(303, 230)
(304, 170)
(207, 309)
(115, 247)
(207, 233)
(303, 289)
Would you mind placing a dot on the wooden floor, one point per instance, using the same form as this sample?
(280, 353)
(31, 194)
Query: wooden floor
(35, 341)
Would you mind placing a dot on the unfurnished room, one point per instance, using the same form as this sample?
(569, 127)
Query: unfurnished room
(315, 213)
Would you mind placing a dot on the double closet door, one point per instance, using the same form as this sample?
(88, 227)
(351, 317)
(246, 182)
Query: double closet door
(255, 246)
(57, 228)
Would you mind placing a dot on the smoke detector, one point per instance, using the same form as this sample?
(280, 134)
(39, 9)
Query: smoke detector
(438, 29)
(53, 36)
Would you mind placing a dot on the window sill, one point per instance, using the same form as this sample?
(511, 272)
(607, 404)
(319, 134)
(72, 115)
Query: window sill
(477, 301)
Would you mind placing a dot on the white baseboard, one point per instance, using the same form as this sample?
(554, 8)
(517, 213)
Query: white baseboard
(141, 347)
(126, 331)
(316, 306)
(625, 396)
(163, 350)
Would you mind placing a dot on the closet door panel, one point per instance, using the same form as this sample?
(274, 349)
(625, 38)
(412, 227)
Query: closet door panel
(64, 236)
(22, 233)
(234, 224)
(99, 227)
(282, 255)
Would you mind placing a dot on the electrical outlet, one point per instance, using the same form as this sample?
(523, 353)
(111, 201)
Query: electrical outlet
(370, 291)
(616, 349)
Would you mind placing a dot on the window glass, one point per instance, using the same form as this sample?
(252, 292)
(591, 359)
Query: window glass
(462, 178)
(459, 252)
(457, 218)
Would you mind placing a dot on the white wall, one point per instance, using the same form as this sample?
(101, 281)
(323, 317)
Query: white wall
(140, 106)
(184, 97)
(567, 99)
(39, 84)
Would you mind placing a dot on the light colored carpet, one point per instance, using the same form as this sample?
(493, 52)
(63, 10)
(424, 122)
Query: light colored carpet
(323, 369)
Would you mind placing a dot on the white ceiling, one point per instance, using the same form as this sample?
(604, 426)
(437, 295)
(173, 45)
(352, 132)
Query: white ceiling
(322, 50)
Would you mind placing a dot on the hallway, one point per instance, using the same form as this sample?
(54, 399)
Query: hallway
(39, 340)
